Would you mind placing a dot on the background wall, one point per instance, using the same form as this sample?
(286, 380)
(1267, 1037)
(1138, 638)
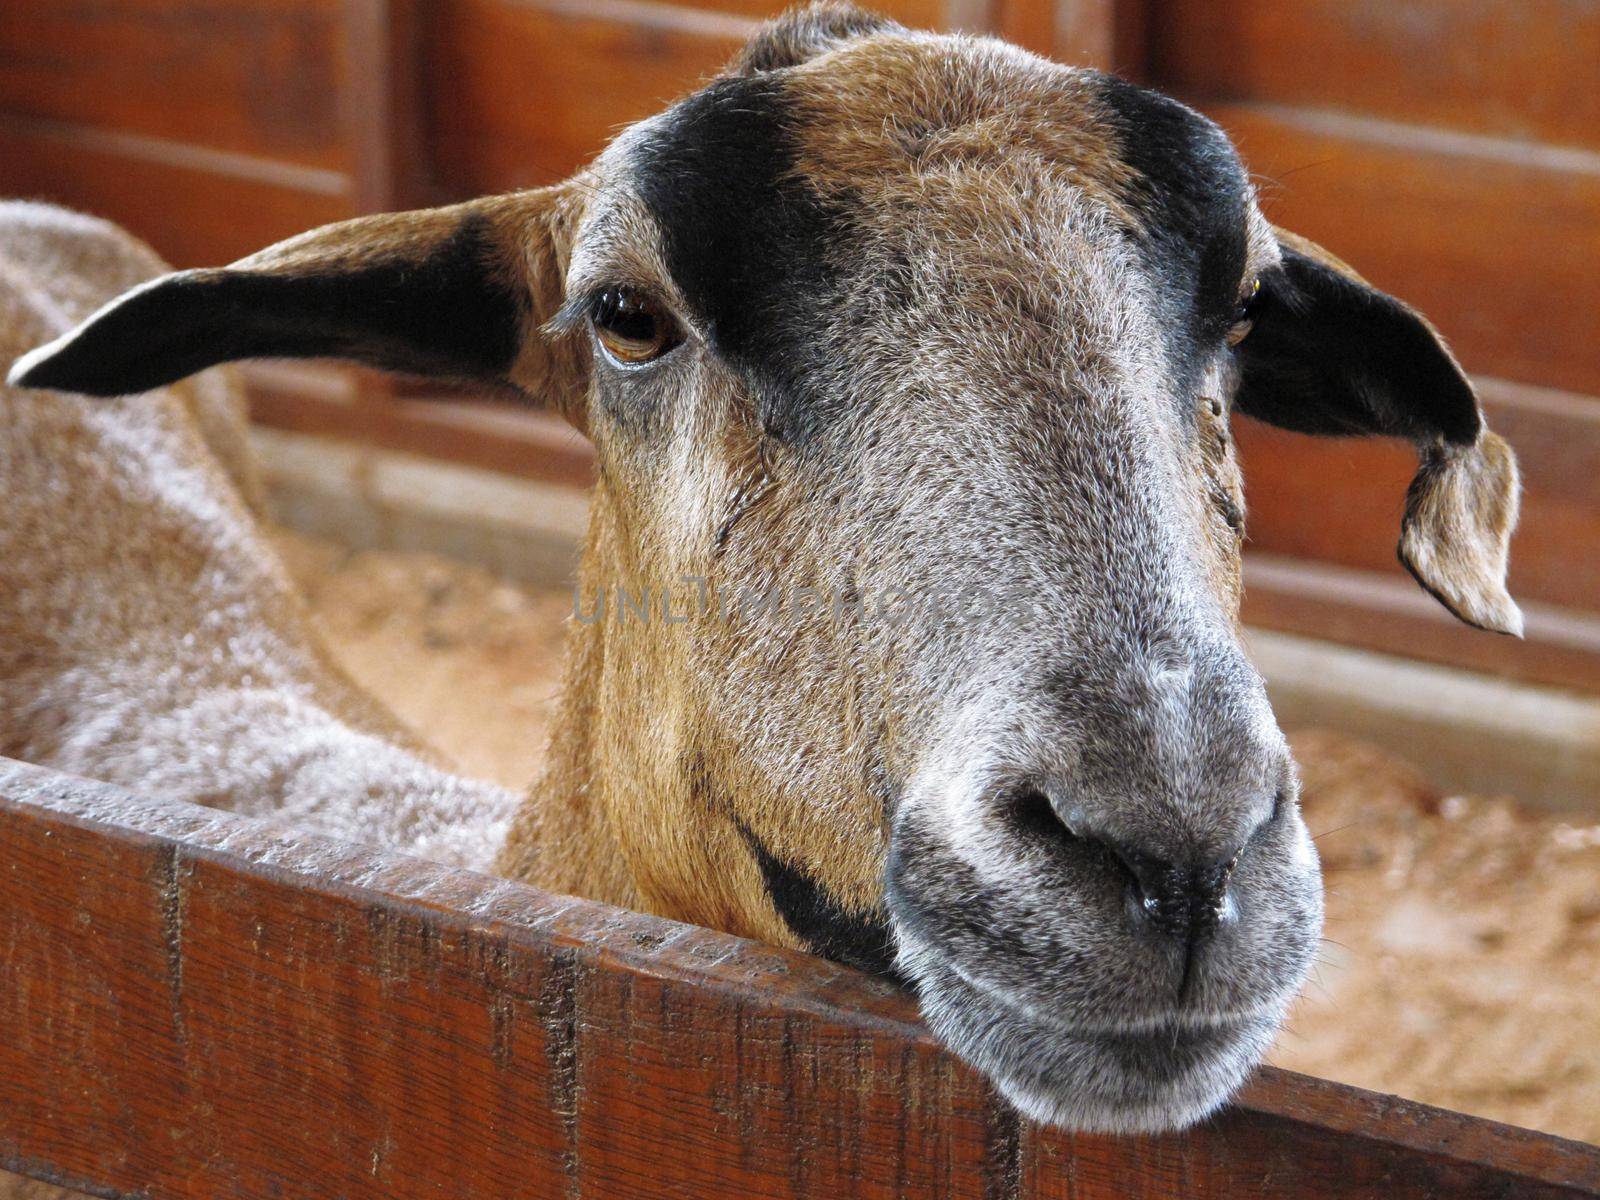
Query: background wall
(1450, 149)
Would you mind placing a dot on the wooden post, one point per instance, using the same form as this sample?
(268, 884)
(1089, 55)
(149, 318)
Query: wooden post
(382, 106)
(383, 120)
(1107, 34)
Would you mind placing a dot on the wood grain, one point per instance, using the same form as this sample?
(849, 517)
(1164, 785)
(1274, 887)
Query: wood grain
(382, 107)
(195, 209)
(543, 85)
(475, 432)
(259, 77)
(1386, 611)
(1522, 69)
(198, 1006)
(542, 89)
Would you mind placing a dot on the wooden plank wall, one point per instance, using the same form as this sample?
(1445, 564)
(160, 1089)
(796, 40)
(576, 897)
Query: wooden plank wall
(196, 1007)
(207, 127)
(1452, 152)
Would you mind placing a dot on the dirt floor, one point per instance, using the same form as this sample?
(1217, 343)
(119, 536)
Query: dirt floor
(469, 661)
(1462, 965)
(1462, 960)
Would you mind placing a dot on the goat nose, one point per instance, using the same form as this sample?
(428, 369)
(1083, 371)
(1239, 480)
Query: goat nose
(1182, 900)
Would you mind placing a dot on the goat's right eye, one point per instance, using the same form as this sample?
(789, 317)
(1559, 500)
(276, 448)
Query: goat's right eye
(631, 327)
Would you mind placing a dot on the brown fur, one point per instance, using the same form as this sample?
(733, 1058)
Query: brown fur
(896, 127)
(977, 136)
(884, 119)
(1456, 536)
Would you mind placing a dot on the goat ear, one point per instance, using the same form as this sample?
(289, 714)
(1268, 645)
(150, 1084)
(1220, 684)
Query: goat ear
(1328, 353)
(453, 293)
(803, 33)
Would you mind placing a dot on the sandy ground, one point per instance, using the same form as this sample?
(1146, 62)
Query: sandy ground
(469, 661)
(1462, 965)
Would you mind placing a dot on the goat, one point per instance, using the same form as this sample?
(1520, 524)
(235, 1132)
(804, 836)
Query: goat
(878, 316)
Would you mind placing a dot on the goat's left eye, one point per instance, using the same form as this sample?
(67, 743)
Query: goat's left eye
(631, 327)
(1240, 328)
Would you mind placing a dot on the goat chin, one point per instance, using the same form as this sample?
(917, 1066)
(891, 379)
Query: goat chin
(1159, 1077)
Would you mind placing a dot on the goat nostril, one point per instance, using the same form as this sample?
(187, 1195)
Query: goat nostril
(1151, 876)
(1035, 817)
(1181, 900)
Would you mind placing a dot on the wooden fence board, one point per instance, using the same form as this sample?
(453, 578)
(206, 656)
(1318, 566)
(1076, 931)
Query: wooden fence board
(258, 77)
(197, 208)
(196, 1005)
(535, 83)
(1388, 613)
(1492, 240)
(1503, 68)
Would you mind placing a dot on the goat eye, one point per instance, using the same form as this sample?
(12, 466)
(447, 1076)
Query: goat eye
(1240, 328)
(631, 327)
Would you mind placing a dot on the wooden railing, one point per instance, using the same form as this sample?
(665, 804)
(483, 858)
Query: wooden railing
(193, 1004)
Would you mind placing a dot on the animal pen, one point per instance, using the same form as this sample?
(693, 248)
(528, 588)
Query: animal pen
(258, 1015)
(198, 1004)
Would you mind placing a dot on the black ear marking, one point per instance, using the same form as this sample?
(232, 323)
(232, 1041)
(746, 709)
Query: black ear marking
(804, 33)
(1327, 354)
(441, 306)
